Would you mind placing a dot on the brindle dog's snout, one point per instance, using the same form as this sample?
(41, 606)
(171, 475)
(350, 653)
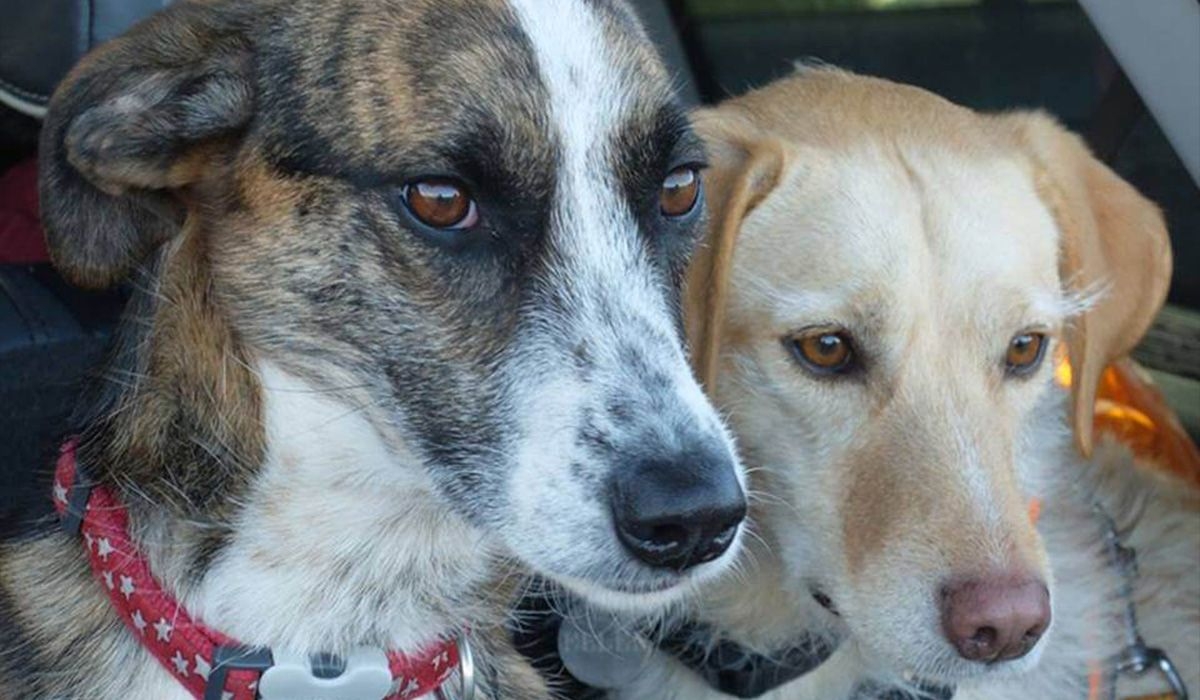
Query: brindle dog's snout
(678, 512)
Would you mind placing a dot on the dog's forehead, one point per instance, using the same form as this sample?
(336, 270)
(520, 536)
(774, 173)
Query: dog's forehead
(371, 88)
(880, 225)
(986, 224)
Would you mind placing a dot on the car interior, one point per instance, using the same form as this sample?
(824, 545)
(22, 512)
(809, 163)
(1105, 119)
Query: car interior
(988, 54)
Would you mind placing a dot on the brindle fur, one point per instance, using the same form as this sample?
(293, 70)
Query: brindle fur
(241, 161)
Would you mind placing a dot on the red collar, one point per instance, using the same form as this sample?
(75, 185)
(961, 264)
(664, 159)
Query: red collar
(210, 665)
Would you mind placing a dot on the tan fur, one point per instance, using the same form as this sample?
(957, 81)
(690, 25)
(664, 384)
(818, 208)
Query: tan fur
(934, 234)
(1111, 235)
(753, 170)
(196, 364)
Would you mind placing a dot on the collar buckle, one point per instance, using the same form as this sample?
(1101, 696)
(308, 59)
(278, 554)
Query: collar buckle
(234, 658)
(364, 674)
(466, 673)
(1139, 659)
(76, 501)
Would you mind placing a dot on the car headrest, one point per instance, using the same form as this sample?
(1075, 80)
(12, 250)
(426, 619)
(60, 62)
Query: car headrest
(661, 26)
(41, 39)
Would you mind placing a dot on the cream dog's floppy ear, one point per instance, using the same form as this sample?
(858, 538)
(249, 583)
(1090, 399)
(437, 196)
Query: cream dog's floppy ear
(745, 166)
(1114, 243)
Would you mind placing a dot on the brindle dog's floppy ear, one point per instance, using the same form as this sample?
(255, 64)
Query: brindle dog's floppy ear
(1114, 244)
(745, 166)
(136, 121)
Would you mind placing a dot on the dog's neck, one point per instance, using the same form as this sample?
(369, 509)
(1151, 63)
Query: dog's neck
(342, 541)
(273, 509)
(764, 609)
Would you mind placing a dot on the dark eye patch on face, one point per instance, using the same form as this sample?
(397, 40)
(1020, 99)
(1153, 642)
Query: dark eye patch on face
(651, 145)
(507, 171)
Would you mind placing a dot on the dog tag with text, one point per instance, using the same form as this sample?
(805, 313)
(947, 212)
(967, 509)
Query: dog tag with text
(601, 650)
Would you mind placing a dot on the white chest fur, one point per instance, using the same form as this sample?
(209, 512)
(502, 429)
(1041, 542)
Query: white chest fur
(343, 543)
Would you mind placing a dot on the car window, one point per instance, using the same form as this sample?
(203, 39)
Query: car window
(987, 54)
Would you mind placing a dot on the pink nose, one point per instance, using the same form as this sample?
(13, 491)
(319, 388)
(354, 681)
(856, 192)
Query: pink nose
(995, 619)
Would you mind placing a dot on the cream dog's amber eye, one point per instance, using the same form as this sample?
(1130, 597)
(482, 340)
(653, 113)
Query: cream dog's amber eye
(441, 204)
(824, 351)
(1025, 353)
(680, 191)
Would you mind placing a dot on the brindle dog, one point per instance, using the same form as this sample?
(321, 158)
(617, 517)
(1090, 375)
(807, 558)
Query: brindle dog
(406, 310)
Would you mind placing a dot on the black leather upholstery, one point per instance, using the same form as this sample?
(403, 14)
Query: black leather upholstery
(656, 15)
(41, 39)
(51, 334)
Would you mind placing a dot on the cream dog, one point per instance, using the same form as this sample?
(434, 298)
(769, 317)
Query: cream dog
(888, 280)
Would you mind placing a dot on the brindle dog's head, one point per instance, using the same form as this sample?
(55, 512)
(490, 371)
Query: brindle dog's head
(480, 210)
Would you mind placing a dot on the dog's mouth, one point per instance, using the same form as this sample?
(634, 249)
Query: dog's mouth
(823, 599)
(636, 588)
(649, 587)
(628, 596)
(940, 675)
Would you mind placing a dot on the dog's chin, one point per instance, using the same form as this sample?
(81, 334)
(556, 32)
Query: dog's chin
(650, 597)
(967, 671)
(942, 666)
(648, 591)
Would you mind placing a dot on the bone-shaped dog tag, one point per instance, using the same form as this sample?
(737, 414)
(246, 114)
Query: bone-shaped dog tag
(601, 650)
(366, 676)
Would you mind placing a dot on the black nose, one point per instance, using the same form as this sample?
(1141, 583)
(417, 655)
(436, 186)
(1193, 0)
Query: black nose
(678, 513)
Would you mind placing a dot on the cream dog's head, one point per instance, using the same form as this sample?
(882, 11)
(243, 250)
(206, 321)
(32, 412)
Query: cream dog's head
(888, 278)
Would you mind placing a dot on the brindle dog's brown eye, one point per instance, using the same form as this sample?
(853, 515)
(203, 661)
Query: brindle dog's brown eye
(443, 204)
(824, 351)
(1025, 353)
(680, 191)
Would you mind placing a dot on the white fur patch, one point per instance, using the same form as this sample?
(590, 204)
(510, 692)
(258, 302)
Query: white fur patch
(335, 516)
(618, 306)
(599, 235)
